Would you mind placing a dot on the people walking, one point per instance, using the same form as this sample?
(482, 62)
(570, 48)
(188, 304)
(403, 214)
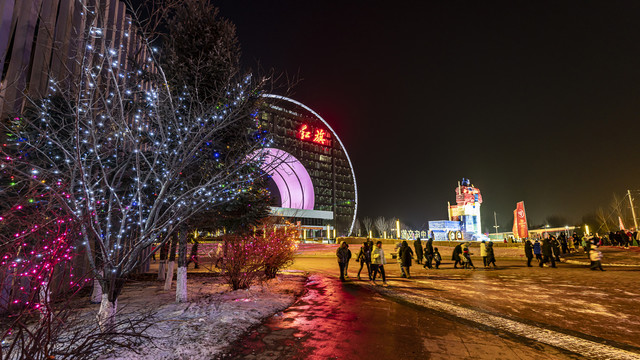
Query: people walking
(563, 243)
(346, 267)
(537, 251)
(547, 253)
(555, 245)
(596, 258)
(364, 258)
(370, 243)
(428, 250)
(466, 257)
(483, 252)
(406, 258)
(576, 241)
(528, 251)
(377, 263)
(571, 245)
(193, 255)
(437, 259)
(343, 257)
(491, 258)
(456, 256)
(417, 245)
(399, 250)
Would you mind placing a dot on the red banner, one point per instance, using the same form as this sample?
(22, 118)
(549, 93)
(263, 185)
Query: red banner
(520, 228)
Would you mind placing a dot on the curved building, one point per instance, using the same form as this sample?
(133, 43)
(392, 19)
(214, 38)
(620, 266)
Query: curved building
(311, 175)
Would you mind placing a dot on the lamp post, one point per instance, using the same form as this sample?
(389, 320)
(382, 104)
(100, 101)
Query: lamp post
(397, 228)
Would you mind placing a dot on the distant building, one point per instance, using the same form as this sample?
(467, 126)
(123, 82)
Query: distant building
(313, 181)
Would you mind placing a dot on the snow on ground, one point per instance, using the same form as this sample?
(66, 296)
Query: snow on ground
(213, 318)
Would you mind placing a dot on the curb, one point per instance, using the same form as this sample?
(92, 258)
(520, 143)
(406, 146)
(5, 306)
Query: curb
(575, 262)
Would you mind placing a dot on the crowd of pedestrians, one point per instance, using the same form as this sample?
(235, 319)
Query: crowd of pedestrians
(546, 251)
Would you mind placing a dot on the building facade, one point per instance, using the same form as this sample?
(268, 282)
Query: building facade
(311, 175)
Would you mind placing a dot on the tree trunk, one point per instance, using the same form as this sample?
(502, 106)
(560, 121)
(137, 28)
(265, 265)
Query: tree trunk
(169, 279)
(107, 313)
(44, 297)
(172, 263)
(96, 295)
(164, 250)
(161, 270)
(5, 290)
(181, 279)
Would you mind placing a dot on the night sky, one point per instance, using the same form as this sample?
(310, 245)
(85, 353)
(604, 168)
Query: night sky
(533, 101)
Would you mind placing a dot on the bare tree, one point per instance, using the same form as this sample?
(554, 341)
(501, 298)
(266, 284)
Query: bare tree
(603, 220)
(391, 226)
(132, 157)
(381, 225)
(368, 224)
(356, 228)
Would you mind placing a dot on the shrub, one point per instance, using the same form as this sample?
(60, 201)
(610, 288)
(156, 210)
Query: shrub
(251, 259)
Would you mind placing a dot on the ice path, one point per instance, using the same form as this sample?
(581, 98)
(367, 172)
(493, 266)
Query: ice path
(571, 343)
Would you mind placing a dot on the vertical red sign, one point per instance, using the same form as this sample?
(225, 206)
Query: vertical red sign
(521, 230)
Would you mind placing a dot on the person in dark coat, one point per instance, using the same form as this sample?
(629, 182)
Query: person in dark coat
(436, 257)
(370, 242)
(405, 258)
(563, 243)
(555, 245)
(457, 252)
(193, 255)
(576, 241)
(417, 245)
(364, 258)
(547, 253)
(491, 257)
(346, 266)
(428, 253)
(528, 251)
(343, 257)
(465, 257)
(537, 251)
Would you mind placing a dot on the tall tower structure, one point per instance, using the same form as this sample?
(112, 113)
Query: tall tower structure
(467, 208)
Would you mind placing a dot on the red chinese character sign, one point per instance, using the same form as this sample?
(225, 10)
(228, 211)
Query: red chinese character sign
(304, 133)
(315, 135)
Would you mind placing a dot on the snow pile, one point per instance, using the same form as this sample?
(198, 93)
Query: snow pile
(213, 318)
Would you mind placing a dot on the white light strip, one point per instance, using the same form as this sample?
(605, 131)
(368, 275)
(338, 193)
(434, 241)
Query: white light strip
(355, 185)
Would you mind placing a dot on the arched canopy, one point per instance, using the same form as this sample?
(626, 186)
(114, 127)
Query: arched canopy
(291, 178)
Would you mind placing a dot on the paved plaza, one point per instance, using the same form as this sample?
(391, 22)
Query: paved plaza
(512, 312)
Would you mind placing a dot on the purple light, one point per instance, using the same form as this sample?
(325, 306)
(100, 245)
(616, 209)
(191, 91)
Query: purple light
(291, 177)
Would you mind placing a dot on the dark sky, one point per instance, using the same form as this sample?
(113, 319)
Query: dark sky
(531, 100)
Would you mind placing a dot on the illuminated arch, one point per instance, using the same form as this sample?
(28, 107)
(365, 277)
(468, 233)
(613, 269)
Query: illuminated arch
(355, 185)
(291, 177)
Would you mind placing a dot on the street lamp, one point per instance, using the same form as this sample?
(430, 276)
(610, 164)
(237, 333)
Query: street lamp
(397, 228)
